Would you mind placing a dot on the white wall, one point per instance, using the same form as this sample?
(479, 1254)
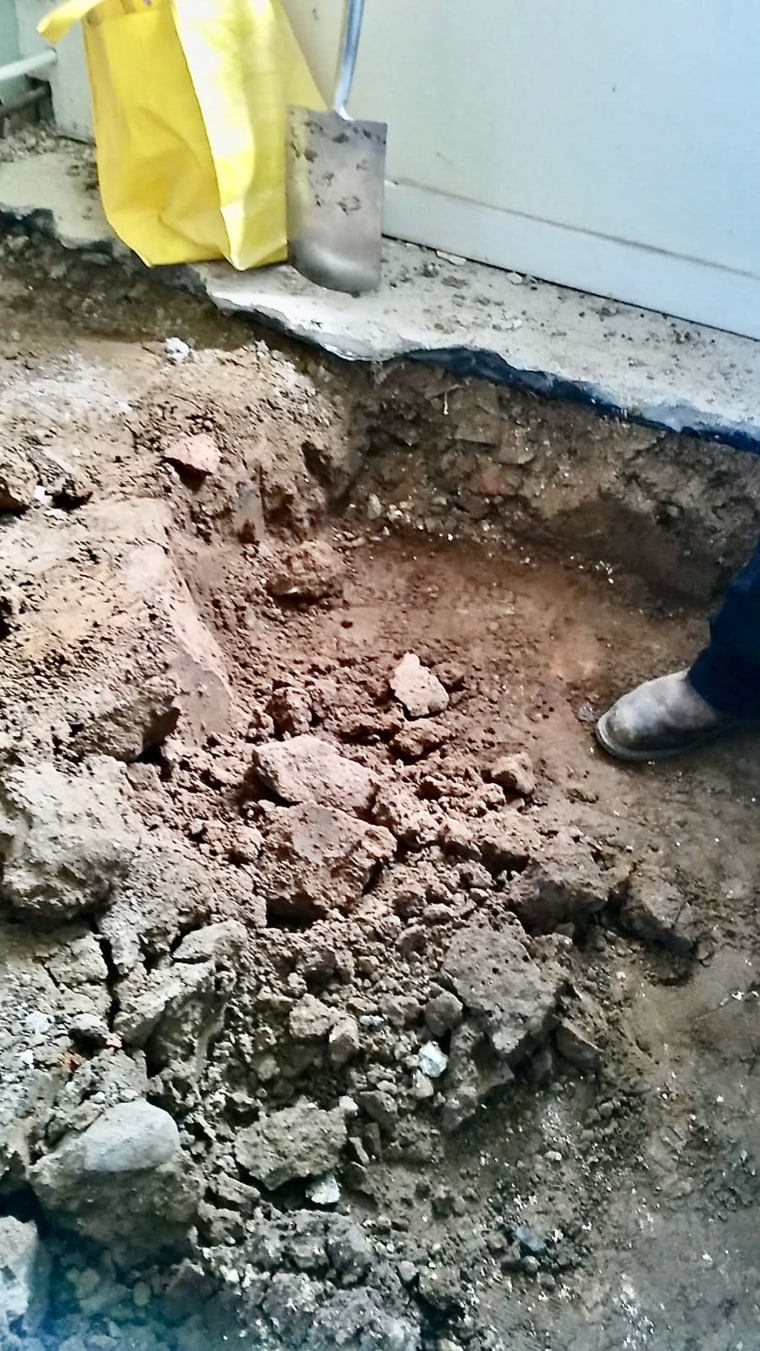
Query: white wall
(609, 145)
(69, 83)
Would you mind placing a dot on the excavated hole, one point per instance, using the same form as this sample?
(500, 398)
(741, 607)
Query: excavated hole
(293, 943)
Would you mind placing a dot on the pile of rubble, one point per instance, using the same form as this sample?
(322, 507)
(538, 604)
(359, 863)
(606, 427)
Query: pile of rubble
(258, 933)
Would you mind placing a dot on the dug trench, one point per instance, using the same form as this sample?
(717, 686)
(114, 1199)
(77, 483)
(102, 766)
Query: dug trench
(349, 996)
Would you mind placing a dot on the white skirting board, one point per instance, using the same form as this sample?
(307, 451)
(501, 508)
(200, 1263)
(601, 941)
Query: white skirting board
(684, 287)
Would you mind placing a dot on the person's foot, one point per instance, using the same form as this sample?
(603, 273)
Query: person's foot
(659, 719)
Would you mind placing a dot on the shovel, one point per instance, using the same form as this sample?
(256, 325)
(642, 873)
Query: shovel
(335, 178)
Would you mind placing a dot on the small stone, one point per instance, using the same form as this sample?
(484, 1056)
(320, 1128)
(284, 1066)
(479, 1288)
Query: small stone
(324, 1191)
(291, 710)
(515, 773)
(380, 1107)
(530, 1266)
(547, 1281)
(176, 350)
(419, 739)
(141, 1295)
(343, 1042)
(404, 815)
(89, 1029)
(417, 688)
(577, 1046)
(431, 1060)
(196, 452)
(407, 1272)
(443, 1013)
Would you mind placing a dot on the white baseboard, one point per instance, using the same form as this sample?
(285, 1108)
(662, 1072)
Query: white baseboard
(702, 292)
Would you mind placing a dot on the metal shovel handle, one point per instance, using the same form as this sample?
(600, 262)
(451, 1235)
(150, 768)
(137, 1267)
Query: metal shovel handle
(349, 50)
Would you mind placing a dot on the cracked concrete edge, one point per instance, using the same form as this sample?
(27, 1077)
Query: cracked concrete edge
(88, 233)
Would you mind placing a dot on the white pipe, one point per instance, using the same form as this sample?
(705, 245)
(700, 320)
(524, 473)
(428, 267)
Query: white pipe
(28, 65)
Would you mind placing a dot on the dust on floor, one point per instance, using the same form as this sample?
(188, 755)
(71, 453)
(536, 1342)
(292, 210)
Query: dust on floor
(349, 996)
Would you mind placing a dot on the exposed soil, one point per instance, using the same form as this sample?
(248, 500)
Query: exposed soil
(349, 999)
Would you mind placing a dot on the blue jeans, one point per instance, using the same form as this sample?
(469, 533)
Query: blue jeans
(727, 673)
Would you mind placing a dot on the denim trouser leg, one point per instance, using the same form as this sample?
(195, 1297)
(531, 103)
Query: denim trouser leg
(727, 673)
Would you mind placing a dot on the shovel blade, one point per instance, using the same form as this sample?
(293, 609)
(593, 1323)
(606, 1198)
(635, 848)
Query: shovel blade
(336, 174)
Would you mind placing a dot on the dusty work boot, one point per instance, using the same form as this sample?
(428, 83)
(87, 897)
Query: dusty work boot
(661, 718)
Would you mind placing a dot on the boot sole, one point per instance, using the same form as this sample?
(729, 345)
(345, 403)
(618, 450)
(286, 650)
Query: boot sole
(632, 757)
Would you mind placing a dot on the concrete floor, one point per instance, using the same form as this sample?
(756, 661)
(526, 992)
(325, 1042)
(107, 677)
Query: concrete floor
(477, 319)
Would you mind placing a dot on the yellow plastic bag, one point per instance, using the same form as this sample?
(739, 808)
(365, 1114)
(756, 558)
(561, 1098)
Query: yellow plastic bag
(189, 108)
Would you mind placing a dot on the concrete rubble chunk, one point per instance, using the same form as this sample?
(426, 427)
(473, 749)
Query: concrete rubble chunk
(124, 1182)
(317, 860)
(510, 996)
(311, 571)
(308, 769)
(417, 688)
(66, 841)
(298, 1142)
(562, 889)
(506, 841)
(24, 1275)
(657, 912)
